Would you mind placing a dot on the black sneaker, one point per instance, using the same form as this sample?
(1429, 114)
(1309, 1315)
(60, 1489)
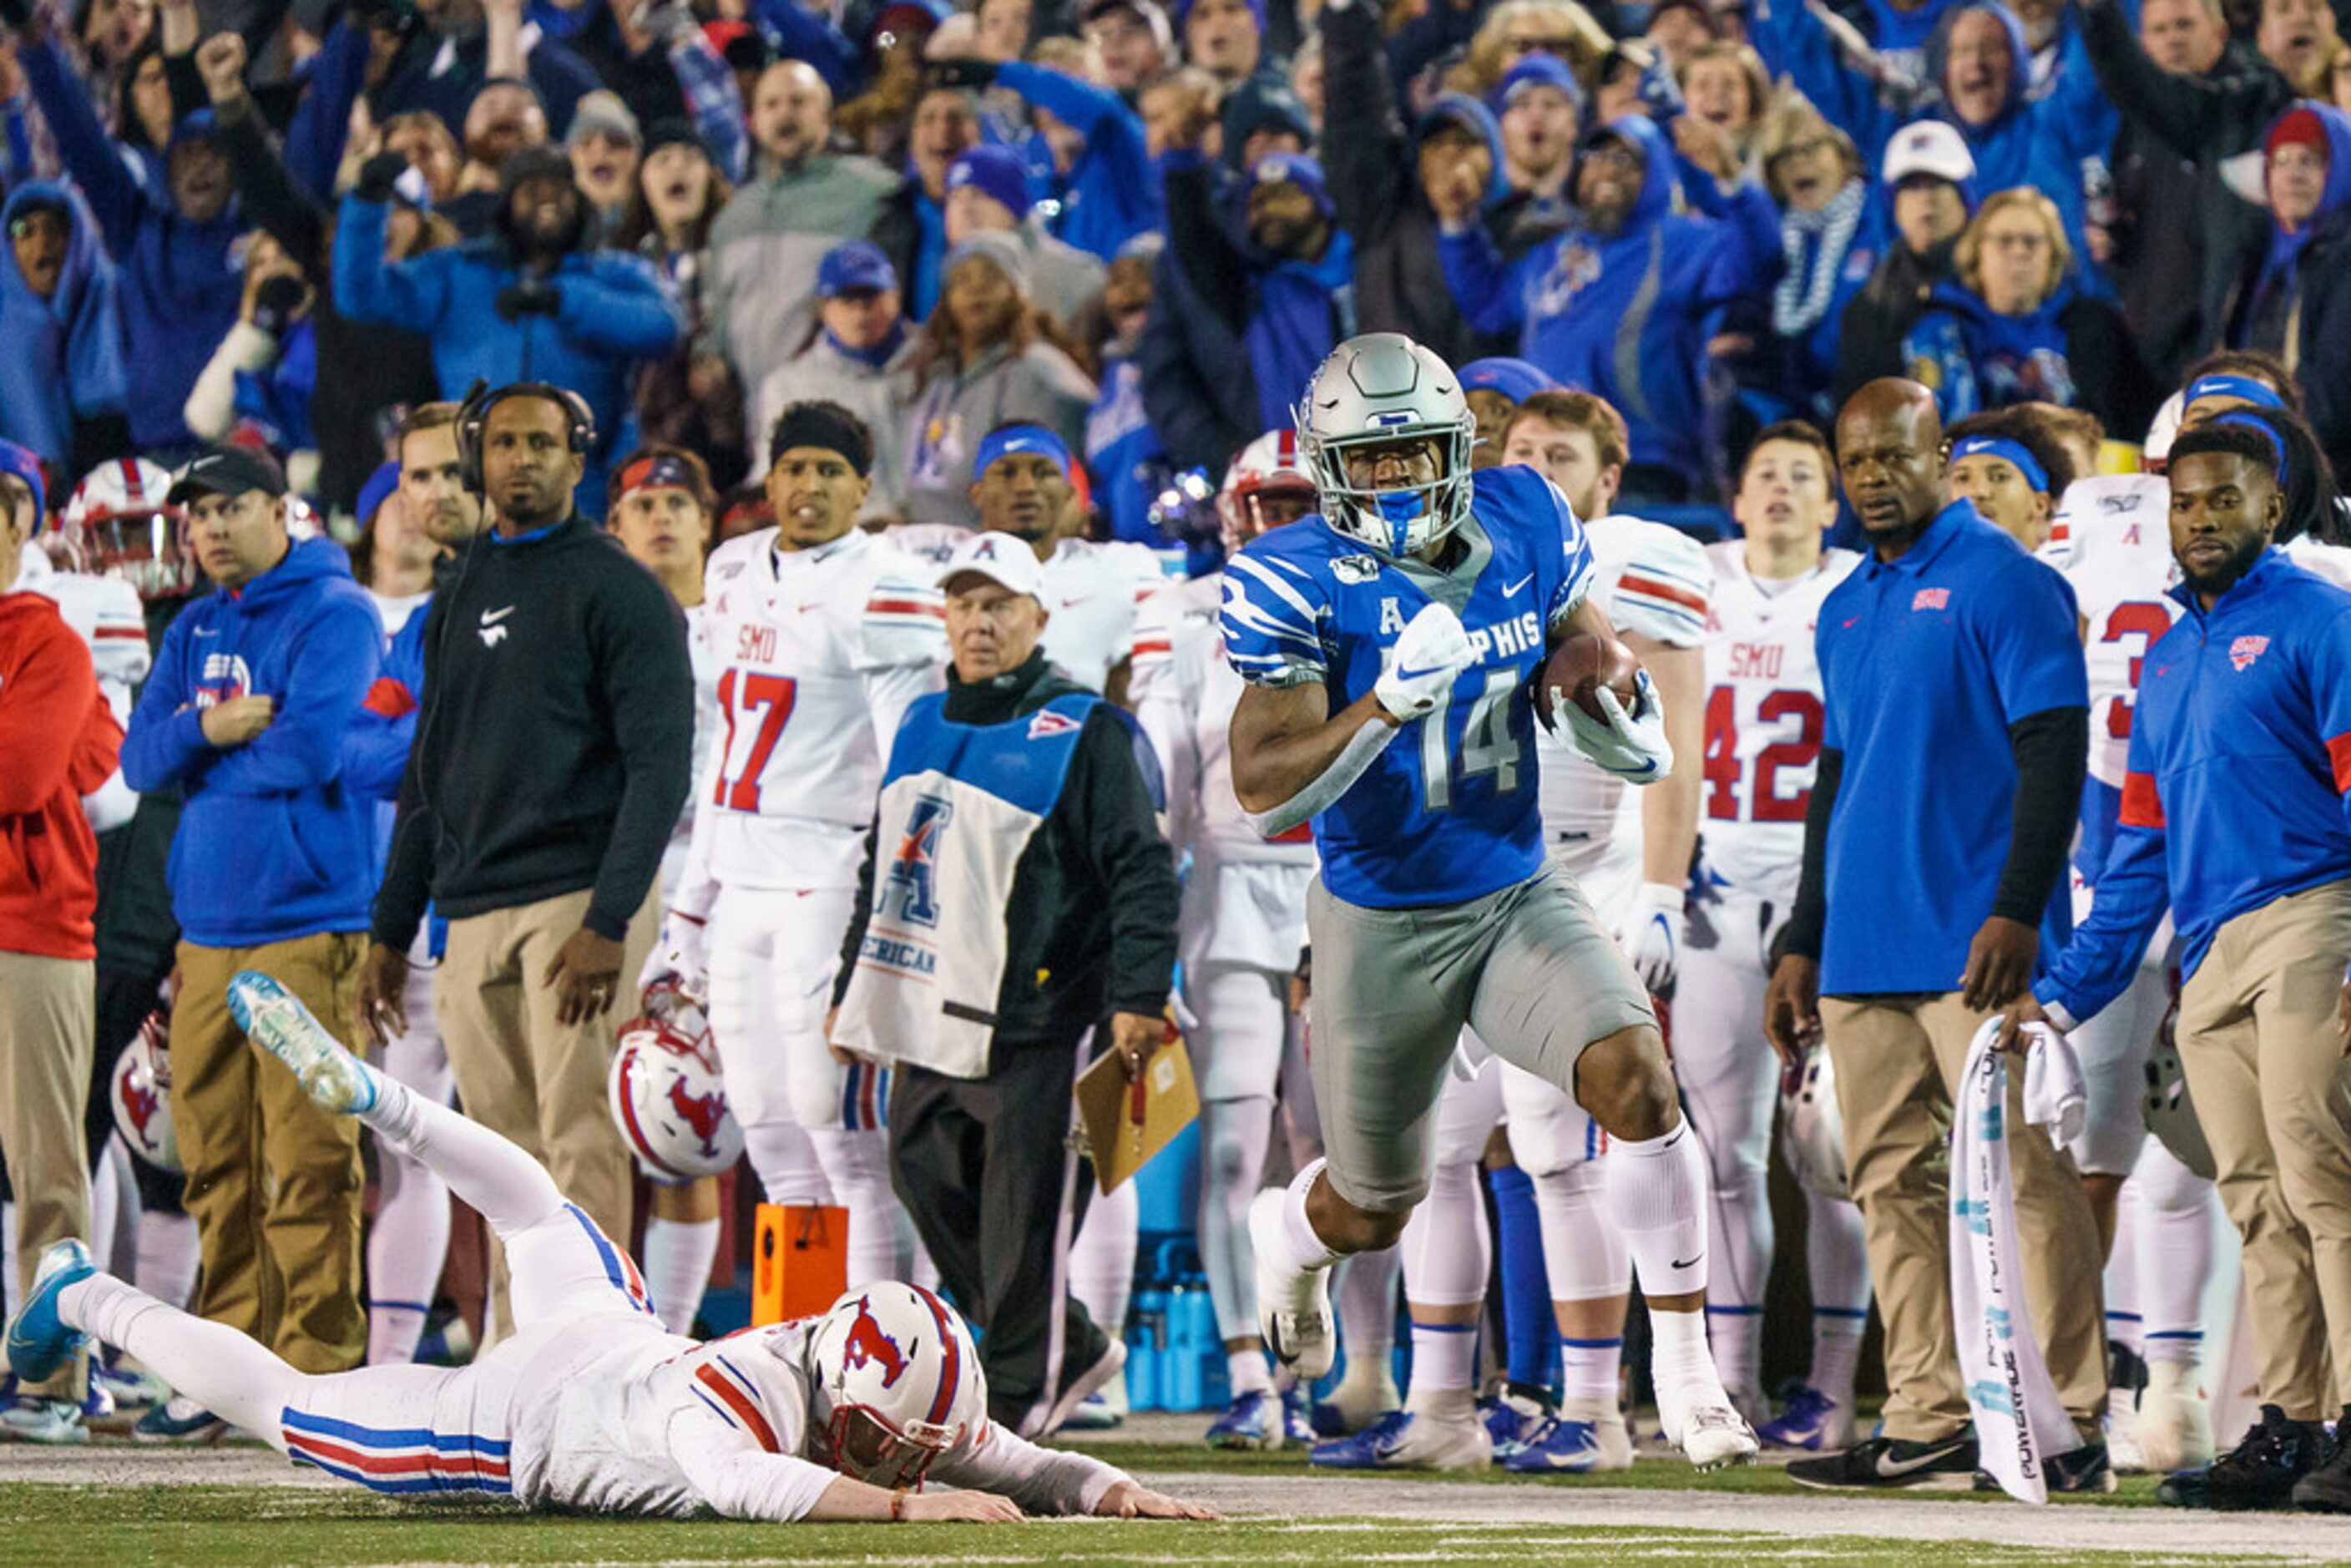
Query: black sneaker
(2327, 1488)
(2083, 1471)
(1887, 1462)
(2262, 1472)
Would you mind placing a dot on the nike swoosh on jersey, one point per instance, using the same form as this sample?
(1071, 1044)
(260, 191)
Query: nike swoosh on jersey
(1512, 591)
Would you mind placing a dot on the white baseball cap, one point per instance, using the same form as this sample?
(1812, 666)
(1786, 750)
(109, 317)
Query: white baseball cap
(1928, 147)
(1003, 558)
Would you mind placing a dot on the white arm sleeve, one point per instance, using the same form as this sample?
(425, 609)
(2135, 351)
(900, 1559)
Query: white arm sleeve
(736, 1476)
(211, 407)
(1041, 1480)
(1328, 785)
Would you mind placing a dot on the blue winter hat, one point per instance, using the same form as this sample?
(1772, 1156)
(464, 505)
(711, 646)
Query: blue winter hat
(197, 125)
(1261, 103)
(994, 171)
(1256, 9)
(1533, 70)
(19, 463)
(378, 489)
(858, 264)
(1296, 169)
(1515, 379)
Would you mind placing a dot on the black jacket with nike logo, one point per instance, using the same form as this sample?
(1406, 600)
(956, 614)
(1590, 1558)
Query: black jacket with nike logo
(555, 737)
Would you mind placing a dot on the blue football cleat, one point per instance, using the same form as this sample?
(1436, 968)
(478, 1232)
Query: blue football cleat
(40, 1342)
(1401, 1440)
(1810, 1420)
(274, 1019)
(1297, 1417)
(1512, 1420)
(1253, 1420)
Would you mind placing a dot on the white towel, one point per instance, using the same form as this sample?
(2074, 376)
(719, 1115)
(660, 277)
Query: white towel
(2018, 1419)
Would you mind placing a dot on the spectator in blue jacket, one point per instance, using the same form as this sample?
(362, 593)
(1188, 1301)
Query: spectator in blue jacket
(248, 712)
(1623, 302)
(2293, 293)
(1111, 190)
(533, 300)
(63, 370)
(169, 226)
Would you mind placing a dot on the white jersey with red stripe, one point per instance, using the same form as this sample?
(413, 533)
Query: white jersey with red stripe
(818, 652)
(1092, 590)
(642, 1421)
(2116, 532)
(1653, 582)
(1764, 720)
(2332, 562)
(1245, 900)
(107, 615)
(709, 723)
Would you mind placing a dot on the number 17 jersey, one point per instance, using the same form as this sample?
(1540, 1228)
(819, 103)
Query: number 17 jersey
(1449, 810)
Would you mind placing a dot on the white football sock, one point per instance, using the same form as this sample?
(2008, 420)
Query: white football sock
(1247, 1371)
(857, 1167)
(2174, 1253)
(1658, 1196)
(1836, 1260)
(1589, 1369)
(1102, 1258)
(1443, 1366)
(1448, 1248)
(511, 1190)
(1366, 1309)
(1679, 1363)
(2122, 1275)
(678, 1255)
(1304, 1251)
(212, 1364)
(406, 1249)
(168, 1257)
(1234, 1136)
(1585, 1255)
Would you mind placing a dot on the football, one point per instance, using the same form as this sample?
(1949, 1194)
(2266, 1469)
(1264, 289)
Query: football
(1578, 667)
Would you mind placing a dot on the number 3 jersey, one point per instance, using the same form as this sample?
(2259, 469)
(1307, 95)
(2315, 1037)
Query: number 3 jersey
(819, 652)
(1449, 810)
(1764, 721)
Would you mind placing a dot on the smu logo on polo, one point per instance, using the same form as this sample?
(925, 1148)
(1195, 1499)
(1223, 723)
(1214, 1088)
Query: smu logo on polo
(224, 678)
(1931, 599)
(2245, 649)
(911, 893)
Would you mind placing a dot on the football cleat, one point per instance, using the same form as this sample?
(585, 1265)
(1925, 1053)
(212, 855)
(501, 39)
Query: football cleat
(1712, 1434)
(1293, 1306)
(274, 1019)
(40, 1341)
(1512, 1419)
(179, 1419)
(1253, 1420)
(1588, 1435)
(1298, 1416)
(30, 1419)
(1810, 1420)
(1402, 1440)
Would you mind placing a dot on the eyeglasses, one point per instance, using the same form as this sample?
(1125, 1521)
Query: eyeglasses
(2016, 241)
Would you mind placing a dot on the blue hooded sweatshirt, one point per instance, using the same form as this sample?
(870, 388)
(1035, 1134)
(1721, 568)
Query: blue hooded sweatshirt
(1112, 192)
(180, 281)
(2285, 249)
(1972, 358)
(274, 842)
(1627, 316)
(615, 311)
(64, 360)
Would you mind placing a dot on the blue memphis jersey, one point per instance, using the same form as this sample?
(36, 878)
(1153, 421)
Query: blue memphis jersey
(1449, 811)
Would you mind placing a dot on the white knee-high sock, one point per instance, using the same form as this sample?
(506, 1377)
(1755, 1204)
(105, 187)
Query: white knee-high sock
(1446, 1247)
(785, 1158)
(1365, 1303)
(678, 1255)
(404, 1254)
(2123, 1325)
(506, 1186)
(2175, 1255)
(1102, 1258)
(1234, 1136)
(1303, 1248)
(129, 1209)
(211, 1364)
(105, 1207)
(857, 1168)
(1738, 1269)
(1836, 1261)
(167, 1257)
(1658, 1196)
(1585, 1255)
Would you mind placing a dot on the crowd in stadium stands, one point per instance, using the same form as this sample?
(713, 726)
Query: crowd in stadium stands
(340, 342)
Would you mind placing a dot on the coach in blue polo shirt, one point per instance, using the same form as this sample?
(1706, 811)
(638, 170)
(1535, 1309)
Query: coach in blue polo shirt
(1950, 775)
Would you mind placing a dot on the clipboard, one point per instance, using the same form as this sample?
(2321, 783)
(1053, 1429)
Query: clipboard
(1126, 1123)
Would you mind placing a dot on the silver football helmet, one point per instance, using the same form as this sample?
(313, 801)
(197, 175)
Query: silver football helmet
(1373, 391)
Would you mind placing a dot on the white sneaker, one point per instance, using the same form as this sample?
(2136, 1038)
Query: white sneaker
(1293, 1307)
(2173, 1430)
(1708, 1430)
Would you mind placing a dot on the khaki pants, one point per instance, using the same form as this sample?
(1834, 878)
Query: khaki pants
(274, 1182)
(1897, 1061)
(47, 1019)
(520, 1073)
(2257, 1039)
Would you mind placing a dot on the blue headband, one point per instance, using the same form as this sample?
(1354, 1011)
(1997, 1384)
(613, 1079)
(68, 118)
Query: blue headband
(2244, 387)
(2009, 451)
(1014, 438)
(19, 463)
(377, 490)
(2254, 421)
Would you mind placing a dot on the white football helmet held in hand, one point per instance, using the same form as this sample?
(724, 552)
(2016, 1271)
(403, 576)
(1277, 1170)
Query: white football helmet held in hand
(679, 958)
(1811, 1129)
(139, 1093)
(897, 1383)
(1376, 390)
(667, 1096)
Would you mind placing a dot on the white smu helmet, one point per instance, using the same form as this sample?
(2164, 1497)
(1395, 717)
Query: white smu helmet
(897, 1383)
(139, 1093)
(666, 1093)
(1374, 390)
(117, 524)
(1267, 467)
(1812, 1130)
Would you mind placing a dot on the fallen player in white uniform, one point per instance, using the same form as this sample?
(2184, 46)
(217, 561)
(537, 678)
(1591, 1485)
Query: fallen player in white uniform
(592, 1405)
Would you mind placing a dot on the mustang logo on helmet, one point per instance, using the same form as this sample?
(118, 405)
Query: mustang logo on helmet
(869, 1346)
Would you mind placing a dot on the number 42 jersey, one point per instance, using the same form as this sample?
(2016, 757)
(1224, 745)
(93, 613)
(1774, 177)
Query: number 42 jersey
(1449, 810)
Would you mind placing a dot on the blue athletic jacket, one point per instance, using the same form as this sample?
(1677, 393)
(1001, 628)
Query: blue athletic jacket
(2240, 754)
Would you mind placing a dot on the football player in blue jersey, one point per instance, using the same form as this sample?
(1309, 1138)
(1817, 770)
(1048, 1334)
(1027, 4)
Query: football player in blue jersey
(1389, 645)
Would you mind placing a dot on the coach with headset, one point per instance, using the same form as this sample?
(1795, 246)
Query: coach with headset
(553, 751)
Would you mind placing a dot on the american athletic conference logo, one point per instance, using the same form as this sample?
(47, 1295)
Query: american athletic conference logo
(912, 893)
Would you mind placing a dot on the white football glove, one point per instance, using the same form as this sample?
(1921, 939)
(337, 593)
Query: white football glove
(1429, 652)
(1651, 935)
(678, 956)
(1632, 746)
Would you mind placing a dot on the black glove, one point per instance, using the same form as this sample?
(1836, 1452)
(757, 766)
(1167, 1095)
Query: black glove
(277, 302)
(377, 176)
(963, 72)
(529, 297)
